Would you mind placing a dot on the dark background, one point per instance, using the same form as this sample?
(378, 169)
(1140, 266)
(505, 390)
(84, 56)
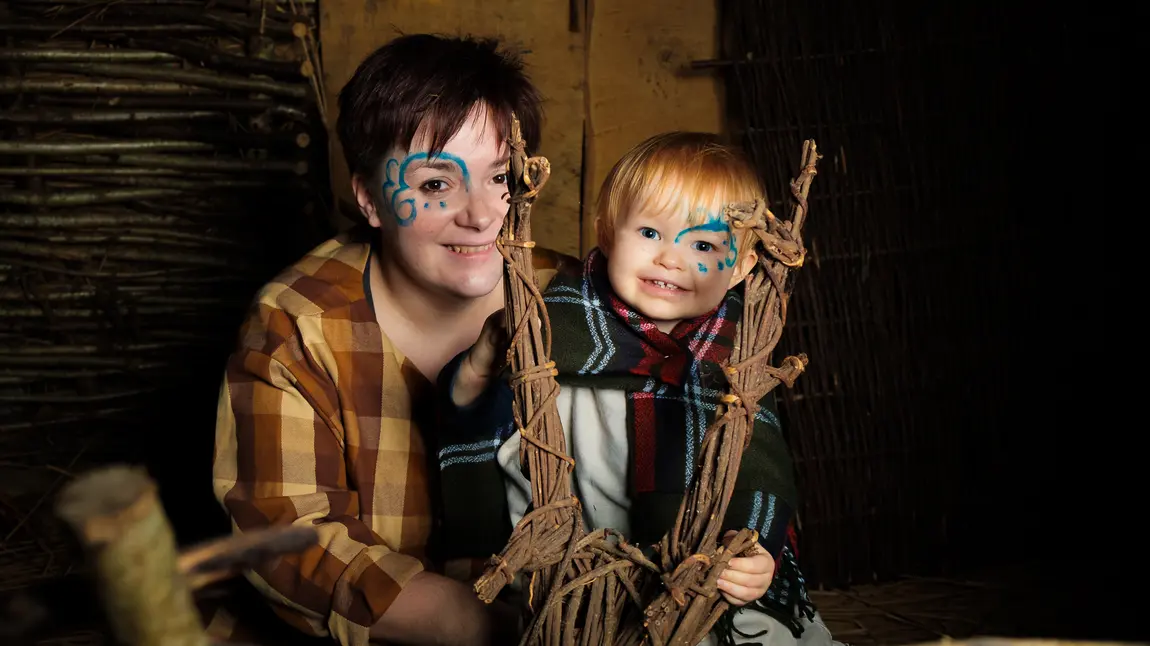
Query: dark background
(963, 411)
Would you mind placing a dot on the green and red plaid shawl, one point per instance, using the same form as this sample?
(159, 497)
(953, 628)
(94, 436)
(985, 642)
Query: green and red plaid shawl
(673, 383)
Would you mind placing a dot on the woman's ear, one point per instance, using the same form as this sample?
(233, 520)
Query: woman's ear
(743, 267)
(364, 199)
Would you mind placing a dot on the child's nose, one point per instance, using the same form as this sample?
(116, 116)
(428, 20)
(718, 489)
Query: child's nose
(669, 257)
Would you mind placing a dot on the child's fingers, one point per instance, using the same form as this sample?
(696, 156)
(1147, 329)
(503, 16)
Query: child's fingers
(737, 594)
(757, 548)
(761, 563)
(747, 579)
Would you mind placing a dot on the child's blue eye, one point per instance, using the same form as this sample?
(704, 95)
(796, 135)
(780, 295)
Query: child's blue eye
(704, 247)
(648, 232)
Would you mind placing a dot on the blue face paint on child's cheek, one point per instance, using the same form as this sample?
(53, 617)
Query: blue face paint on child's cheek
(712, 224)
(716, 224)
(426, 205)
(732, 251)
(702, 268)
(443, 205)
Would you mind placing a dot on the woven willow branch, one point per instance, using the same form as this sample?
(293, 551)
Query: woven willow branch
(595, 587)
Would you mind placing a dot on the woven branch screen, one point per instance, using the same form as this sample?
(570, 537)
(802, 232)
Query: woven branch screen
(159, 160)
(900, 307)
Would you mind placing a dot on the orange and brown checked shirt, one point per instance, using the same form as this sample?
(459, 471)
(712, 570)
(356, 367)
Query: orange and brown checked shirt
(319, 423)
(315, 427)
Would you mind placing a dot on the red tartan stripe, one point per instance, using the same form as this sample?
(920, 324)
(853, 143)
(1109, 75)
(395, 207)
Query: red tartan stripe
(643, 408)
(793, 538)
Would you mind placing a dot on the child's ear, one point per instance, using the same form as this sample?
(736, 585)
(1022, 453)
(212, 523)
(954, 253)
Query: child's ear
(743, 268)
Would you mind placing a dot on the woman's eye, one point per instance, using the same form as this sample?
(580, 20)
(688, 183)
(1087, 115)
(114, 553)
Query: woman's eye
(648, 232)
(434, 185)
(501, 178)
(704, 247)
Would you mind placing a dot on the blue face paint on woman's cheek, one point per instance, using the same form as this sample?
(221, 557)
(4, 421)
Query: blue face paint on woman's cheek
(395, 179)
(462, 168)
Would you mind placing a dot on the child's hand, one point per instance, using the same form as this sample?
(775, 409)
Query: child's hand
(482, 362)
(746, 579)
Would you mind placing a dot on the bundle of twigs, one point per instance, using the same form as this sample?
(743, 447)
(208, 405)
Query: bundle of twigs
(692, 559)
(594, 587)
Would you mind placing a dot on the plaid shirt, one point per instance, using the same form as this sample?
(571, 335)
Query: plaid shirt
(315, 427)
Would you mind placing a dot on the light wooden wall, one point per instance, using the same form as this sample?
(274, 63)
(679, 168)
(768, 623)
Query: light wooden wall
(607, 68)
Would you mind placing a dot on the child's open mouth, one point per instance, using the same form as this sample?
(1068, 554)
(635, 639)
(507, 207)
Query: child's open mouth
(662, 285)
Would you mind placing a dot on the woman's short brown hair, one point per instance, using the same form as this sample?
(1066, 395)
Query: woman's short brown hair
(435, 81)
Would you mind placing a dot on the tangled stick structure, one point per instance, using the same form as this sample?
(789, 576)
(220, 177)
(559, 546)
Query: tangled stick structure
(593, 587)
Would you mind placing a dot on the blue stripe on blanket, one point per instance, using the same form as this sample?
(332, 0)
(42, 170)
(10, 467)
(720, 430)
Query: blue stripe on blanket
(486, 446)
(756, 510)
(770, 515)
(466, 459)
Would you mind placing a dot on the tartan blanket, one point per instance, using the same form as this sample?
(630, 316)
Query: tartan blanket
(673, 384)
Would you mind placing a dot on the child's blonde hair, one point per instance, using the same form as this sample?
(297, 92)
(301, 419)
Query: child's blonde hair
(689, 172)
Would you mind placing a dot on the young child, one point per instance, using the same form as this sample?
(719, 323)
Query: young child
(640, 334)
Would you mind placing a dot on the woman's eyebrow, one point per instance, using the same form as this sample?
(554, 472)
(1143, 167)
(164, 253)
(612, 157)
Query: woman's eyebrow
(437, 164)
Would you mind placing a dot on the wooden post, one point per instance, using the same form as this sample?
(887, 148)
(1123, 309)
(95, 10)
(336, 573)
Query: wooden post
(118, 519)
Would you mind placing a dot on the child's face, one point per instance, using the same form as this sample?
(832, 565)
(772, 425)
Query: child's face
(668, 269)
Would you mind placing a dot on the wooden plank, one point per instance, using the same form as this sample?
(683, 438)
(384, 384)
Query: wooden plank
(637, 50)
(352, 29)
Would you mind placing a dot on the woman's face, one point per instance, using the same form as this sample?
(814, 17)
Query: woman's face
(440, 215)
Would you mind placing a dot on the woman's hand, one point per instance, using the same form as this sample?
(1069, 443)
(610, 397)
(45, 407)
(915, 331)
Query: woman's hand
(483, 361)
